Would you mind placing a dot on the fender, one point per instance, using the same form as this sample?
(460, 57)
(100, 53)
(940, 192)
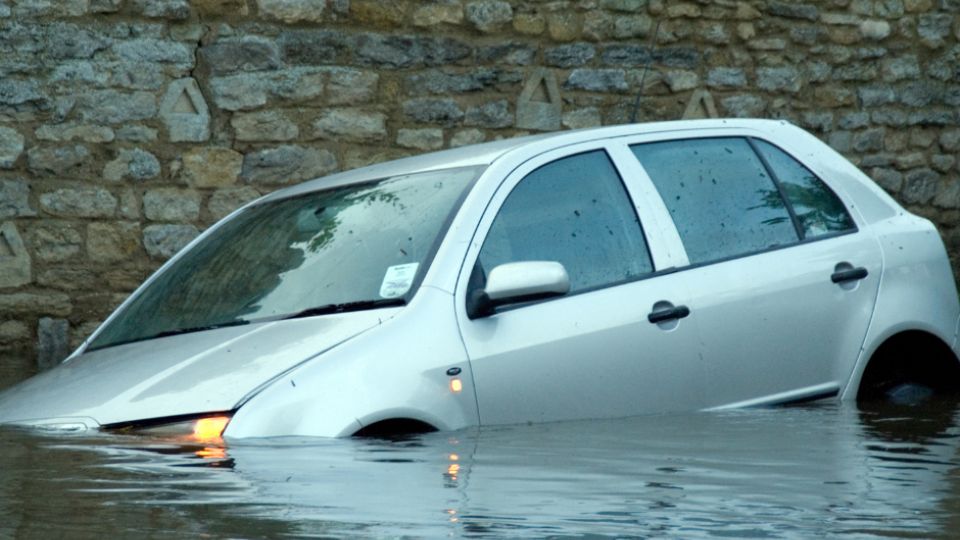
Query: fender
(913, 252)
(380, 375)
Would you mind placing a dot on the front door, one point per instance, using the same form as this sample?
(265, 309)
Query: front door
(592, 353)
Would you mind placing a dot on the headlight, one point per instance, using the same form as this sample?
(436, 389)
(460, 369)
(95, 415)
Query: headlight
(203, 428)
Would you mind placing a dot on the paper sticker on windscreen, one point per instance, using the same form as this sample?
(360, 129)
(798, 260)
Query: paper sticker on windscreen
(397, 280)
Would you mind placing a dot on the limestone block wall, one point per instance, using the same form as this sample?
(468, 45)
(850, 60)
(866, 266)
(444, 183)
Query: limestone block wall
(128, 126)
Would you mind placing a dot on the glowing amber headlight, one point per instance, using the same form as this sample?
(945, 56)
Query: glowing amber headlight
(202, 429)
(205, 429)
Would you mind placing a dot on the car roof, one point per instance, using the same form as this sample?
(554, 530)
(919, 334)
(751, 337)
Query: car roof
(484, 154)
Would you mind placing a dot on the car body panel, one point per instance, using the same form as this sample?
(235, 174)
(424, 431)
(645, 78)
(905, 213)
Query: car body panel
(575, 357)
(396, 370)
(191, 373)
(791, 328)
(913, 254)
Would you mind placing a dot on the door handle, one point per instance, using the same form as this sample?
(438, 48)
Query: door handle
(852, 274)
(664, 315)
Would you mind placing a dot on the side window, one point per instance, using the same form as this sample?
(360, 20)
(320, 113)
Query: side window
(720, 196)
(575, 211)
(818, 209)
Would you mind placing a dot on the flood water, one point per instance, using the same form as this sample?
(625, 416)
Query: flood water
(802, 472)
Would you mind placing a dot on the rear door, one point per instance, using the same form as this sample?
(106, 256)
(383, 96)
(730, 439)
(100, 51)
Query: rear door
(781, 279)
(592, 353)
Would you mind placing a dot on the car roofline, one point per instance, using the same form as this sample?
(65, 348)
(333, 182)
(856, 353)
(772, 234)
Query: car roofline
(485, 154)
(477, 155)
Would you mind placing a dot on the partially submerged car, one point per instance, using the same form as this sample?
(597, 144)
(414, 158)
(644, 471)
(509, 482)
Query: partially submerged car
(600, 273)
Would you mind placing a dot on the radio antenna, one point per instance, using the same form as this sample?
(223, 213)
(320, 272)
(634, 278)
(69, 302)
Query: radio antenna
(643, 76)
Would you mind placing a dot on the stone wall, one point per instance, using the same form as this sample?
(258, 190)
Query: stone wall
(128, 126)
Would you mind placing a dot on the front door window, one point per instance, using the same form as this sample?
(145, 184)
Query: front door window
(574, 211)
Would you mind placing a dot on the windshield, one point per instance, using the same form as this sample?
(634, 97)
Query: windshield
(354, 247)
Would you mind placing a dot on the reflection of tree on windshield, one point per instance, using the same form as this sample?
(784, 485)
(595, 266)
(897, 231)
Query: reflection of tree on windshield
(226, 283)
(292, 254)
(325, 234)
(326, 213)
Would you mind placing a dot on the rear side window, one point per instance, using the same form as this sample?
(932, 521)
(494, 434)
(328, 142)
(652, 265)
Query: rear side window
(819, 211)
(720, 197)
(575, 211)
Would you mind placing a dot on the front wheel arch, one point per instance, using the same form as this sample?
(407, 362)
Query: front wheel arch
(395, 427)
(912, 357)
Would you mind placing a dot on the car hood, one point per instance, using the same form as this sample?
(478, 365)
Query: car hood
(208, 371)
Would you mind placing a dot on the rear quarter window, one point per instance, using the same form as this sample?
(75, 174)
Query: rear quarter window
(819, 211)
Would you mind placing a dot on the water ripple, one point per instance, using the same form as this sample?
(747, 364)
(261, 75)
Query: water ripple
(803, 472)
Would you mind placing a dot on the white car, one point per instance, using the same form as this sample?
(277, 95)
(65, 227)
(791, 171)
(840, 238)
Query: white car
(599, 273)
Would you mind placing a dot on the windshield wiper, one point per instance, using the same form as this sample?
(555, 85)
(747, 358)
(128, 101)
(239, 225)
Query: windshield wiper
(346, 306)
(192, 329)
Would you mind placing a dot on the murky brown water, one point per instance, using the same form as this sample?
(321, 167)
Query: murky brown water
(818, 471)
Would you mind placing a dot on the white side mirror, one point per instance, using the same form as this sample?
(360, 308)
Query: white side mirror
(517, 282)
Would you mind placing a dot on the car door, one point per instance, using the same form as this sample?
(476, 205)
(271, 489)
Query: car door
(781, 279)
(593, 352)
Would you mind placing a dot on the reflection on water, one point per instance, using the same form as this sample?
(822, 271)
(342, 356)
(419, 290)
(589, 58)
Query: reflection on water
(823, 470)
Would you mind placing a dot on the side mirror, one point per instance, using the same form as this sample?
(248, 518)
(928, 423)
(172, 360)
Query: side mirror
(517, 282)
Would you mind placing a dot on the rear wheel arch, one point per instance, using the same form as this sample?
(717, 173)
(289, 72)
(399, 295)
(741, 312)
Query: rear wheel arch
(910, 357)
